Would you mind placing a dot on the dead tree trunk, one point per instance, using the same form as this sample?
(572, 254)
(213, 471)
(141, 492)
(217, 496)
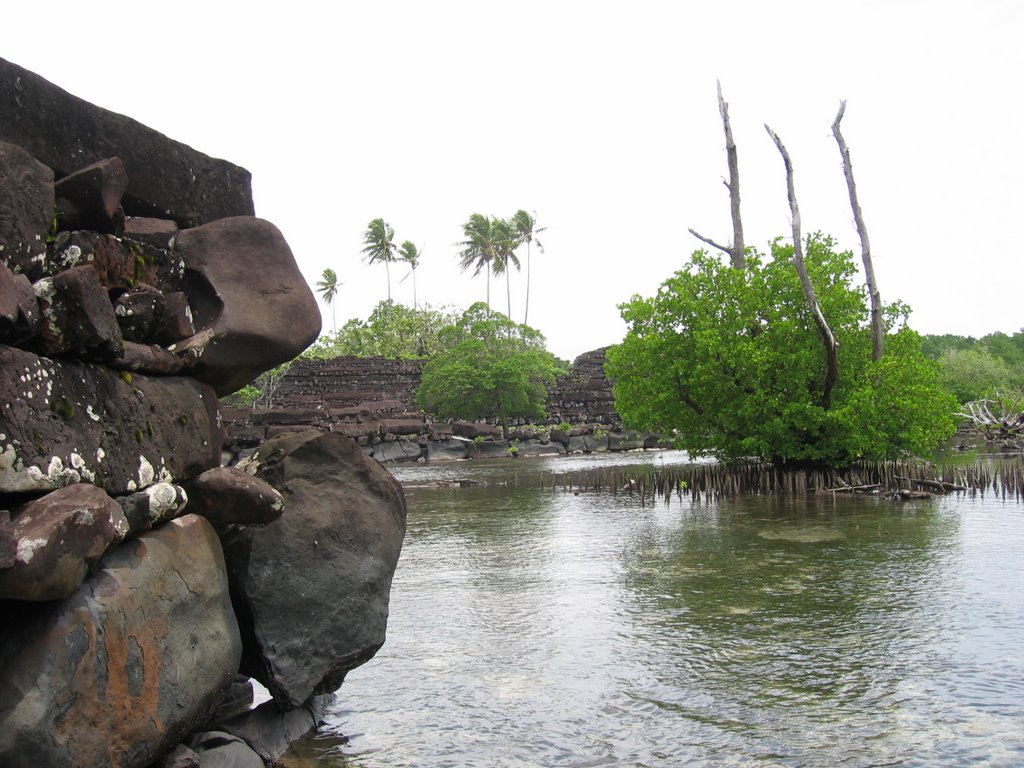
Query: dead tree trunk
(877, 328)
(736, 250)
(828, 339)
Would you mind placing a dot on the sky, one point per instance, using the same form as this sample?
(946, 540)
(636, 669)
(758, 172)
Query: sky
(600, 117)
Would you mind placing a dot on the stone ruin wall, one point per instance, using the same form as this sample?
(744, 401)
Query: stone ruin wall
(373, 400)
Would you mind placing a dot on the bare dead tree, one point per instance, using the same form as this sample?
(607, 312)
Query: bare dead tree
(828, 339)
(877, 327)
(736, 250)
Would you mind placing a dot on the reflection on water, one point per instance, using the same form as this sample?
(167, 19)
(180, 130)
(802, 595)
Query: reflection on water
(540, 628)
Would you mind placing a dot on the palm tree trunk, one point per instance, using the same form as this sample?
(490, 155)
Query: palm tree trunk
(526, 312)
(508, 291)
(387, 271)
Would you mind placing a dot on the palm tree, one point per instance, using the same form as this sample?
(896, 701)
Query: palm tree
(379, 240)
(525, 227)
(328, 287)
(505, 244)
(411, 256)
(479, 248)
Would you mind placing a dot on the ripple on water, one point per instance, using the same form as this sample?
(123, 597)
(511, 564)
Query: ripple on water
(535, 628)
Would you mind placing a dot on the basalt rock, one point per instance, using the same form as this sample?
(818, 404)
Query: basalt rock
(26, 209)
(251, 306)
(166, 178)
(90, 198)
(226, 495)
(124, 668)
(325, 565)
(65, 422)
(59, 537)
(78, 318)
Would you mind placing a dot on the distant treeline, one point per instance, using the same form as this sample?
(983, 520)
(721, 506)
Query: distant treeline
(1008, 348)
(992, 366)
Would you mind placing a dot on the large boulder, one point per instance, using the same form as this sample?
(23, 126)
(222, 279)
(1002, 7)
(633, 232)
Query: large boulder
(26, 201)
(252, 308)
(65, 422)
(165, 178)
(325, 565)
(58, 538)
(124, 668)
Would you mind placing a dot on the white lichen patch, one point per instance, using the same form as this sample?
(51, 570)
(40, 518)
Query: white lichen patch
(164, 501)
(146, 472)
(71, 256)
(16, 477)
(27, 549)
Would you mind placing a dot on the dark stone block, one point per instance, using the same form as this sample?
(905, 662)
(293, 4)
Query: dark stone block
(166, 178)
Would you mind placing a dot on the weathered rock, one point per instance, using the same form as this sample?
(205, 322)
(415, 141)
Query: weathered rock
(229, 495)
(179, 757)
(77, 316)
(219, 749)
(159, 233)
(147, 358)
(165, 178)
(625, 441)
(90, 198)
(175, 322)
(475, 429)
(137, 310)
(397, 450)
(402, 426)
(447, 450)
(269, 731)
(59, 538)
(156, 504)
(66, 422)
(120, 671)
(120, 264)
(489, 449)
(26, 203)
(537, 448)
(326, 565)
(251, 306)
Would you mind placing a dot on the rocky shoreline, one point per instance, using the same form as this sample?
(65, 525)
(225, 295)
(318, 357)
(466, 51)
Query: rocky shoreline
(142, 583)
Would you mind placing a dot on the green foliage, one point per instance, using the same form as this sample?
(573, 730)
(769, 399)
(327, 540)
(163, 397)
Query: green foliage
(975, 373)
(262, 392)
(730, 361)
(392, 330)
(379, 246)
(491, 368)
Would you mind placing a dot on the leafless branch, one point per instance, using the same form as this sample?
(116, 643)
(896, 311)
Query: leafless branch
(828, 339)
(877, 328)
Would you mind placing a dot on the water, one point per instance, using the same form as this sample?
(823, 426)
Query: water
(538, 628)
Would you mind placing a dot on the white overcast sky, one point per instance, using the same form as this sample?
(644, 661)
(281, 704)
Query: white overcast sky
(601, 117)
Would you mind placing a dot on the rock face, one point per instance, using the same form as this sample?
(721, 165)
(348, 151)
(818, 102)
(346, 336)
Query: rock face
(252, 308)
(58, 539)
(68, 422)
(118, 329)
(135, 658)
(166, 179)
(326, 564)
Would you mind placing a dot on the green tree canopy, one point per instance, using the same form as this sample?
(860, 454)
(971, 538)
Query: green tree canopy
(729, 360)
(392, 330)
(492, 368)
(379, 246)
(975, 373)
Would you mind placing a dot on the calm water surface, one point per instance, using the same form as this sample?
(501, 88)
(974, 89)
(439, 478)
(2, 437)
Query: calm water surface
(538, 628)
